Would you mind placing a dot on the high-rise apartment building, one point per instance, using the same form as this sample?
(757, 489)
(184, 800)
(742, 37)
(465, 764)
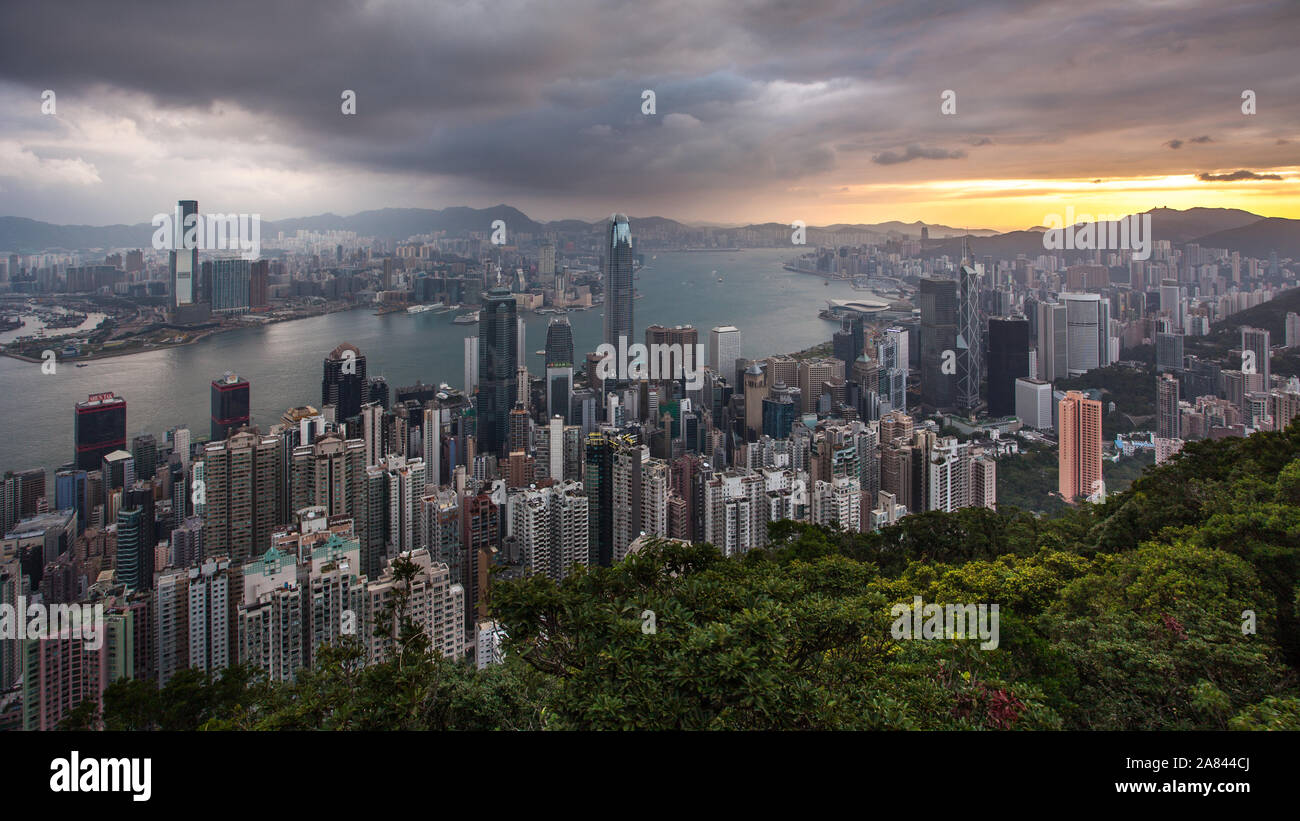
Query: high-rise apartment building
(1079, 457)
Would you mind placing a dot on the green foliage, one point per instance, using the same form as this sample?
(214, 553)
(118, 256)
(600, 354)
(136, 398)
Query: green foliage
(1128, 615)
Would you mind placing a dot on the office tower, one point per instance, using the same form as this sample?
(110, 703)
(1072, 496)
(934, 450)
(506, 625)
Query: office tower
(1053, 341)
(618, 282)
(497, 372)
(838, 503)
(258, 283)
(1167, 413)
(1171, 304)
(70, 494)
(938, 303)
(546, 262)
(970, 337)
(99, 428)
(144, 451)
(1087, 322)
(471, 365)
(549, 526)
(778, 412)
(755, 391)
(378, 392)
(344, 384)
(559, 343)
(1169, 352)
(231, 285)
(612, 480)
(434, 604)
(813, 376)
(1256, 340)
(134, 549)
(230, 405)
(179, 437)
(724, 351)
(1079, 459)
(184, 257)
(559, 392)
(242, 477)
(1008, 361)
(521, 349)
(1034, 403)
(847, 344)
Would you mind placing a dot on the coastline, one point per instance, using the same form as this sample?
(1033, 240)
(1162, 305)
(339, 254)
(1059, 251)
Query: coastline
(198, 337)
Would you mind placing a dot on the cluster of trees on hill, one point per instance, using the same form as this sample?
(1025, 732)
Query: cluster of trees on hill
(1174, 605)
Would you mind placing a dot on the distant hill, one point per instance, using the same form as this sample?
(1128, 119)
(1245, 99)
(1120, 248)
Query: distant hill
(1185, 226)
(1213, 227)
(1259, 238)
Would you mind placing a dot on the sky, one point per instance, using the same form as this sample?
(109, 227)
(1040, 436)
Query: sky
(764, 110)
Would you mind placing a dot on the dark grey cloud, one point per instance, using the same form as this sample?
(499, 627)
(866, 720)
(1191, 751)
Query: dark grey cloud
(1236, 176)
(917, 152)
(515, 99)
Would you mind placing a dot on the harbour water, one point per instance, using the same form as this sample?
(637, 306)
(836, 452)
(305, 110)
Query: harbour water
(776, 311)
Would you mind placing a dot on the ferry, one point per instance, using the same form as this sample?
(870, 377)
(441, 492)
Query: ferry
(466, 319)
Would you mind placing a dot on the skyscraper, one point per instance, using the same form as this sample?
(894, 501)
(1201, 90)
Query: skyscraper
(613, 487)
(230, 404)
(99, 428)
(1256, 341)
(724, 351)
(1167, 414)
(497, 373)
(559, 343)
(970, 342)
(242, 478)
(938, 303)
(184, 257)
(1079, 459)
(344, 384)
(1053, 342)
(1008, 361)
(1087, 319)
(618, 282)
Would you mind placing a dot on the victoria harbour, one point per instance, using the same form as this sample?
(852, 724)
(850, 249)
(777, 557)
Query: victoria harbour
(775, 309)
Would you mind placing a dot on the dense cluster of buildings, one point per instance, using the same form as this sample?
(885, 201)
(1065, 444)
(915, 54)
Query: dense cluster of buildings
(267, 540)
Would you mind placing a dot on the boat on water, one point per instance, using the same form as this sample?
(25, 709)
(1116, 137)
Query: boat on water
(540, 353)
(466, 319)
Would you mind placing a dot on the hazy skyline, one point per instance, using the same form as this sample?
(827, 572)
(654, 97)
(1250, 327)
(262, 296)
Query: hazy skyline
(823, 111)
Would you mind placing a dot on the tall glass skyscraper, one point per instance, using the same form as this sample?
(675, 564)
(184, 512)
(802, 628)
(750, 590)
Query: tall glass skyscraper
(559, 343)
(618, 282)
(497, 376)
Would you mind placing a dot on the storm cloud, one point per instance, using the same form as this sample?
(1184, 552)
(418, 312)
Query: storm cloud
(760, 105)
